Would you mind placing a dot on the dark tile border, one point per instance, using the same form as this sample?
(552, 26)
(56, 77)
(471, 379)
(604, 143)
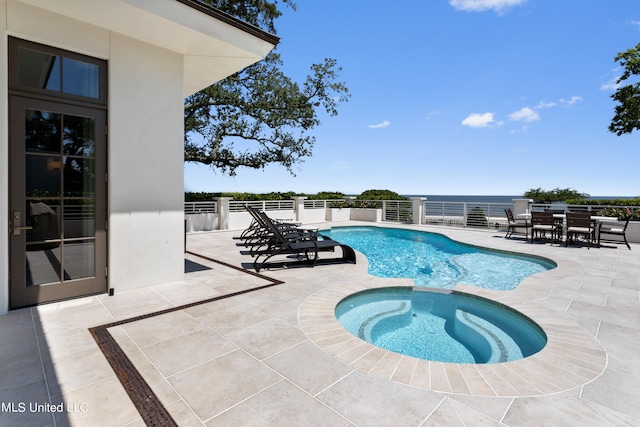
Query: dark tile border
(149, 407)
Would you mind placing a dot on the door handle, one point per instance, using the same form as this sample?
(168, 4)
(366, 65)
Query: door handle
(17, 219)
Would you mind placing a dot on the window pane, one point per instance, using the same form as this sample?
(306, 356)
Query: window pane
(79, 218)
(78, 138)
(80, 78)
(43, 216)
(44, 265)
(79, 177)
(42, 131)
(79, 259)
(42, 175)
(39, 70)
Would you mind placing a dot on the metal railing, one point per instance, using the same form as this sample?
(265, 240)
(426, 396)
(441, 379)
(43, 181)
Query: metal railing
(466, 214)
(263, 205)
(200, 207)
(398, 211)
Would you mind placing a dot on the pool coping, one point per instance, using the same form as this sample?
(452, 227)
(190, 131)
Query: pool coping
(571, 358)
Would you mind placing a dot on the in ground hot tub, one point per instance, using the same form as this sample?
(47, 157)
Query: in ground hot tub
(440, 325)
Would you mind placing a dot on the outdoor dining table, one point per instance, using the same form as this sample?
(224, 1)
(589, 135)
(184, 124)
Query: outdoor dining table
(558, 216)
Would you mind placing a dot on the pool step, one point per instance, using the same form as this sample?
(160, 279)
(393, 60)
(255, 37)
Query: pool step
(398, 310)
(487, 342)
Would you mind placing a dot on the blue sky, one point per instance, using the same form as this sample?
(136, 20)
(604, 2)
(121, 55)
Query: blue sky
(459, 97)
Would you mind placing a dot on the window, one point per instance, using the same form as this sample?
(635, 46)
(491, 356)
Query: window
(56, 72)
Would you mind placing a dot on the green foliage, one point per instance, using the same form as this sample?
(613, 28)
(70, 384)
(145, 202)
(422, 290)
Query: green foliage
(326, 195)
(604, 202)
(477, 218)
(627, 112)
(556, 195)
(207, 197)
(621, 213)
(340, 204)
(260, 116)
(380, 195)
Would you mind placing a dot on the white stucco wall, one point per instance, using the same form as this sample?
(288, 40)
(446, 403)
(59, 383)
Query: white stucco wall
(157, 53)
(4, 167)
(146, 155)
(145, 145)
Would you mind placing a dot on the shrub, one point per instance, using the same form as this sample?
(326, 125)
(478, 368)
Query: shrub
(380, 195)
(621, 213)
(327, 195)
(477, 218)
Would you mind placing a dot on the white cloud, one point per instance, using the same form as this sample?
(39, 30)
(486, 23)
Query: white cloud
(543, 104)
(383, 124)
(611, 85)
(431, 114)
(482, 5)
(524, 114)
(476, 120)
(571, 102)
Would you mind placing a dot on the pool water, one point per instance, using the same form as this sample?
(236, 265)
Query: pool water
(445, 326)
(435, 260)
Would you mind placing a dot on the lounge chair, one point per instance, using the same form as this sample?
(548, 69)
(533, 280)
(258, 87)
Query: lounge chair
(259, 235)
(609, 230)
(304, 246)
(580, 224)
(516, 226)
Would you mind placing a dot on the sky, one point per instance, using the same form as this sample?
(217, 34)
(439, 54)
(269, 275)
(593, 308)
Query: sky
(458, 97)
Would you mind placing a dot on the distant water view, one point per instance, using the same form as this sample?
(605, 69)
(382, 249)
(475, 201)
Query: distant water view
(477, 199)
(494, 199)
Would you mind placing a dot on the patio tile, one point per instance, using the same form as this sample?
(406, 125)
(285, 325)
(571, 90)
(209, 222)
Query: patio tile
(267, 338)
(615, 390)
(215, 386)
(308, 368)
(233, 319)
(552, 410)
(18, 400)
(20, 370)
(369, 400)
(94, 404)
(185, 351)
(183, 415)
(185, 292)
(69, 373)
(281, 405)
(494, 408)
(153, 330)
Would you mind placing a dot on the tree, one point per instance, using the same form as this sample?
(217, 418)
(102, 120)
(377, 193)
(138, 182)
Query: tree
(380, 195)
(627, 112)
(556, 195)
(259, 116)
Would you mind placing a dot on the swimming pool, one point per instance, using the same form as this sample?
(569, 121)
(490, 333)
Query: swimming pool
(435, 260)
(445, 326)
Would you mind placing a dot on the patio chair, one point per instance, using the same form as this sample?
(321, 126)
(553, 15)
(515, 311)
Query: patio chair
(610, 230)
(580, 224)
(305, 248)
(543, 223)
(516, 226)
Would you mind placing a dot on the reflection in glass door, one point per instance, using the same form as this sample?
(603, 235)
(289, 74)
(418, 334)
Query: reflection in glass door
(58, 189)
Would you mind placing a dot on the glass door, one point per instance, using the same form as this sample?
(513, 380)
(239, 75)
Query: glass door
(57, 201)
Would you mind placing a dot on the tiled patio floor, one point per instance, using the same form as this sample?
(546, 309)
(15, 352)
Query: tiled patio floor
(275, 357)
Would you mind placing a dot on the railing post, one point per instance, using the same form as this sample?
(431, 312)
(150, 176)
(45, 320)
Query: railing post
(418, 209)
(223, 212)
(521, 206)
(298, 206)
